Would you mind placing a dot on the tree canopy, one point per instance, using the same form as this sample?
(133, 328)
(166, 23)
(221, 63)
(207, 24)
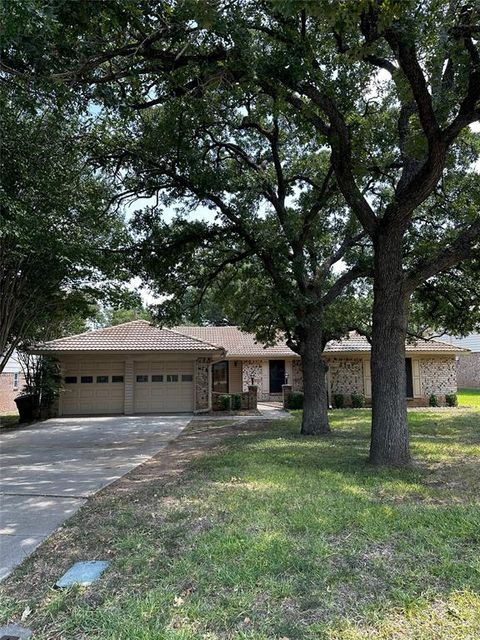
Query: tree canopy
(226, 104)
(58, 231)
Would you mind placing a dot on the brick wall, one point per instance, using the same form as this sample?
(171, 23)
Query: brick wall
(252, 369)
(468, 370)
(202, 386)
(8, 393)
(297, 375)
(438, 376)
(346, 375)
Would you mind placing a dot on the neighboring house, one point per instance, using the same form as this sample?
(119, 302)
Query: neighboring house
(139, 368)
(12, 381)
(468, 364)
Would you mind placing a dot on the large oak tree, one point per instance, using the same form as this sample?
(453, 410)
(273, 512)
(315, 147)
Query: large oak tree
(389, 87)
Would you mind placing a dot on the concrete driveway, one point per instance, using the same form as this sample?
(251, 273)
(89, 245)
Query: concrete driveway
(48, 470)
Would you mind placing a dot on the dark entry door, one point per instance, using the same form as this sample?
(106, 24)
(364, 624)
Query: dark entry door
(277, 375)
(408, 371)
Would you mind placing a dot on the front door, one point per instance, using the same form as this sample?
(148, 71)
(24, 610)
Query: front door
(277, 375)
(408, 371)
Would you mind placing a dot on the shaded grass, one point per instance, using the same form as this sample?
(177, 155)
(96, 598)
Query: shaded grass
(469, 397)
(8, 420)
(274, 535)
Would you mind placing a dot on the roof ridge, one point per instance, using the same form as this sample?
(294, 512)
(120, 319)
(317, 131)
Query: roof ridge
(210, 326)
(179, 333)
(99, 330)
(444, 342)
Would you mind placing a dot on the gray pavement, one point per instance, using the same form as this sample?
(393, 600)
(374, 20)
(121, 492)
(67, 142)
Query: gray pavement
(48, 470)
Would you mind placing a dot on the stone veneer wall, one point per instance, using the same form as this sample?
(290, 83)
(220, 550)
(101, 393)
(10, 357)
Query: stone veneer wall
(346, 375)
(297, 375)
(252, 368)
(438, 376)
(202, 375)
(468, 370)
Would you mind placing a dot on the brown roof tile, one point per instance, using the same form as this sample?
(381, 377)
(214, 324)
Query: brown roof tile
(138, 335)
(236, 343)
(357, 342)
(240, 344)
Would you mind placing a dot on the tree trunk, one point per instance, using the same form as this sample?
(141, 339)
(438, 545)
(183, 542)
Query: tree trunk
(390, 441)
(315, 402)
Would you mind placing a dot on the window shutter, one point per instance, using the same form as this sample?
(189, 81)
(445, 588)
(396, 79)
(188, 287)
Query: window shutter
(367, 379)
(417, 389)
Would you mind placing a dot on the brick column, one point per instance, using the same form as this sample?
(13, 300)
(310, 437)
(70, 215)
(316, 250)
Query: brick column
(202, 391)
(252, 396)
(287, 392)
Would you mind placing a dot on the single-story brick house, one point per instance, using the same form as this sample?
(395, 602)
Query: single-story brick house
(139, 368)
(12, 381)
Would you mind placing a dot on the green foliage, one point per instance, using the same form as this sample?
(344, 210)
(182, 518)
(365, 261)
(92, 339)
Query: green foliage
(451, 400)
(58, 231)
(111, 316)
(338, 400)
(225, 402)
(295, 400)
(358, 400)
(42, 379)
(236, 402)
(433, 401)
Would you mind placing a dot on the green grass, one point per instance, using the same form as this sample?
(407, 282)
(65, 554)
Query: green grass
(469, 397)
(8, 420)
(278, 536)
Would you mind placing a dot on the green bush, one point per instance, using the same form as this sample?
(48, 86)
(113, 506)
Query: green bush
(358, 400)
(295, 401)
(236, 402)
(451, 400)
(225, 402)
(338, 400)
(433, 401)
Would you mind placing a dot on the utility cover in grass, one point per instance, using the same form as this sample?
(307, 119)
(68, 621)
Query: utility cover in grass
(14, 632)
(82, 573)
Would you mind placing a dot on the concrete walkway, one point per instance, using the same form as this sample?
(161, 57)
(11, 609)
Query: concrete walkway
(48, 470)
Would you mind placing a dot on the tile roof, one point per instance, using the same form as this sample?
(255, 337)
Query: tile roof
(236, 343)
(240, 344)
(357, 342)
(138, 335)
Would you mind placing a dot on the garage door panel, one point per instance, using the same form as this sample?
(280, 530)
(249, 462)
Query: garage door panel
(95, 397)
(168, 392)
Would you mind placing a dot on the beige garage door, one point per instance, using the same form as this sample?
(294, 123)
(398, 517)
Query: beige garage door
(93, 387)
(163, 387)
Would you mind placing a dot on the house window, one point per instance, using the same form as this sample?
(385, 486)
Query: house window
(117, 378)
(86, 379)
(220, 377)
(157, 377)
(16, 377)
(409, 377)
(172, 377)
(102, 379)
(187, 377)
(142, 378)
(70, 379)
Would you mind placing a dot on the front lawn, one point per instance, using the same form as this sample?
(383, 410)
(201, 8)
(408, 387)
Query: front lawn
(275, 536)
(469, 397)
